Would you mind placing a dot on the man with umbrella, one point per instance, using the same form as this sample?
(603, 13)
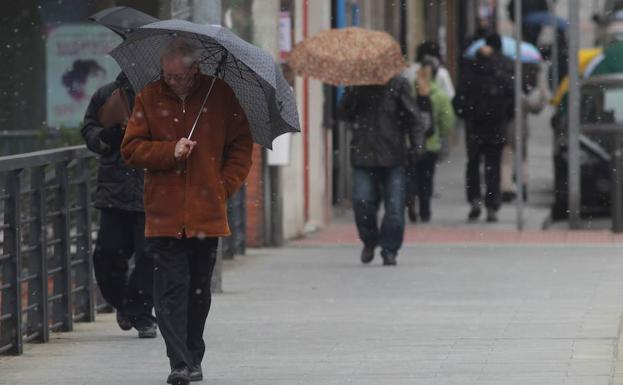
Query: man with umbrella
(119, 195)
(187, 184)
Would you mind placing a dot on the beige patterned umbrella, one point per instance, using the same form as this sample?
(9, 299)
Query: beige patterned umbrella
(348, 57)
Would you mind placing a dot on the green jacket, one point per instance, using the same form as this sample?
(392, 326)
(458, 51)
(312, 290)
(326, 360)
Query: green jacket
(443, 117)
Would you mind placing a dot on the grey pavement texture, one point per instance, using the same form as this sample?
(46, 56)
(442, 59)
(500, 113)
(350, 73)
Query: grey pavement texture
(445, 315)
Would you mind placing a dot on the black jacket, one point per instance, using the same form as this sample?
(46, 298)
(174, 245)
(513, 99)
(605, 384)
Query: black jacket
(382, 119)
(485, 96)
(118, 185)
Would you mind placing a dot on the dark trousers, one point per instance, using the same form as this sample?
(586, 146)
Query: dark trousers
(421, 177)
(182, 297)
(491, 152)
(369, 185)
(122, 235)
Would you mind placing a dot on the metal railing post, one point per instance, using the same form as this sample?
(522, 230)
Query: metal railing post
(12, 268)
(574, 119)
(38, 261)
(84, 276)
(63, 308)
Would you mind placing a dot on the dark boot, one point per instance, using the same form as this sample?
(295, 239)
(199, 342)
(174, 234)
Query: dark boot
(124, 322)
(179, 376)
(389, 258)
(146, 326)
(195, 373)
(492, 215)
(474, 212)
(367, 254)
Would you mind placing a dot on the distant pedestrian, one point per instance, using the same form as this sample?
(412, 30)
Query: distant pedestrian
(485, 99)
(483, 29)
(119, 197)
(422, 174)
(442, 76)
(382, 118)
(187, 184)
(534, 99)
(530, 31)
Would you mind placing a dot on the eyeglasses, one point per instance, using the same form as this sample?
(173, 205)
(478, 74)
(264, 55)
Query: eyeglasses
(177, 78)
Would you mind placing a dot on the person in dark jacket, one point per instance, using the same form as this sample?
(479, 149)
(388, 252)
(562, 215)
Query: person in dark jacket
(485, 100)
(382, 118)
(119, 197)
(530, 31)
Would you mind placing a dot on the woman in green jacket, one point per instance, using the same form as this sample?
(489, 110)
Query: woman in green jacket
(443, 124)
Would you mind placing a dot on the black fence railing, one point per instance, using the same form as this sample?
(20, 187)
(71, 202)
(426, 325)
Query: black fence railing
(47, 228)
(46, 280)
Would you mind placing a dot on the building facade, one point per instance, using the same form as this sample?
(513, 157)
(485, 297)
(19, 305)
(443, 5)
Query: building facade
(290, 191)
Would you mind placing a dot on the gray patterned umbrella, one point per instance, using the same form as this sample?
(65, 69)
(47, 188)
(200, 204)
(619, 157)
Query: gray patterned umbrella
(251, 72)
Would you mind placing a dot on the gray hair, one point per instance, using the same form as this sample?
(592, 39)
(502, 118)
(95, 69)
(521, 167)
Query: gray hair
(179, 47)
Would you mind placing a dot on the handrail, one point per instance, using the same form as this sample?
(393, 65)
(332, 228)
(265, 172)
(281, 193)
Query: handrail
(46, 249)
(43, 157)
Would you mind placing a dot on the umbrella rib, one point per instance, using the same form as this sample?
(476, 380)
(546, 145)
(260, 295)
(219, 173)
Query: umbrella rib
(242, 70)
(206, 58)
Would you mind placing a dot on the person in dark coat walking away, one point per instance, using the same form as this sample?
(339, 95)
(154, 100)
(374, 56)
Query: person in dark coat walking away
(382, 119)
(119, 197)
(485, 100)
(187, 184)
(530, 31)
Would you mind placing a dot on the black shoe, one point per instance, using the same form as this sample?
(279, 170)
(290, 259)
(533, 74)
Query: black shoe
(475, 212)
(411, 212)
(179, 376)
(367, 254)
(425, 213)
(508, 196)
(124, 322)
(492, 216)
(389, 259)
(148, 331)
(195, 373)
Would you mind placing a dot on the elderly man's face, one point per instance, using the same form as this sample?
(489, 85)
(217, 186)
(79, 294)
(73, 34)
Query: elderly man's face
(179, 74)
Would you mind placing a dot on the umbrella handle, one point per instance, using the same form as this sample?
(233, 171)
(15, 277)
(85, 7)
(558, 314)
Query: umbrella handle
(205, 99)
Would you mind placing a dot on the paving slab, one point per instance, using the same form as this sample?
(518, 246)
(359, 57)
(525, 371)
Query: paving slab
(314, 315)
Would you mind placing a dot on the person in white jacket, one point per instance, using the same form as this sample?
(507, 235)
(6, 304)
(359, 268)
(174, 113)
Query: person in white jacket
(443, 79)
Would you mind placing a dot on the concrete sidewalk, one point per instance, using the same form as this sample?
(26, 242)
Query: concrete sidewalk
(445, 315)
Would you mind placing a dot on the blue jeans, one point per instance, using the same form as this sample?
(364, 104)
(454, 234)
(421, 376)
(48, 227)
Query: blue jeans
(370, 186)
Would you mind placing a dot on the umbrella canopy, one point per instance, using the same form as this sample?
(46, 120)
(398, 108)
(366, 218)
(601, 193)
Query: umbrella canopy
(348, 57)
(585, 58)
(545, 19)
(122, 20)
(251, 72)
(610, 62)
(529, 53)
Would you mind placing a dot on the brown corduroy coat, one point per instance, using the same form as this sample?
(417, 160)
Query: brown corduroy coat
(188, 197)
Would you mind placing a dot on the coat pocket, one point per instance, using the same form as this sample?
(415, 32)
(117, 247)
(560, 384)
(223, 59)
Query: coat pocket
(164, 204)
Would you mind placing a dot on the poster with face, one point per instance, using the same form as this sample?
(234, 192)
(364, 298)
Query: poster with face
(77, 64)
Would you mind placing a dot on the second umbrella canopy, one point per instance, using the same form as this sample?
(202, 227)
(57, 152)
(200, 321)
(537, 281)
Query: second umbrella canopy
(348, 57)
(529, 53)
